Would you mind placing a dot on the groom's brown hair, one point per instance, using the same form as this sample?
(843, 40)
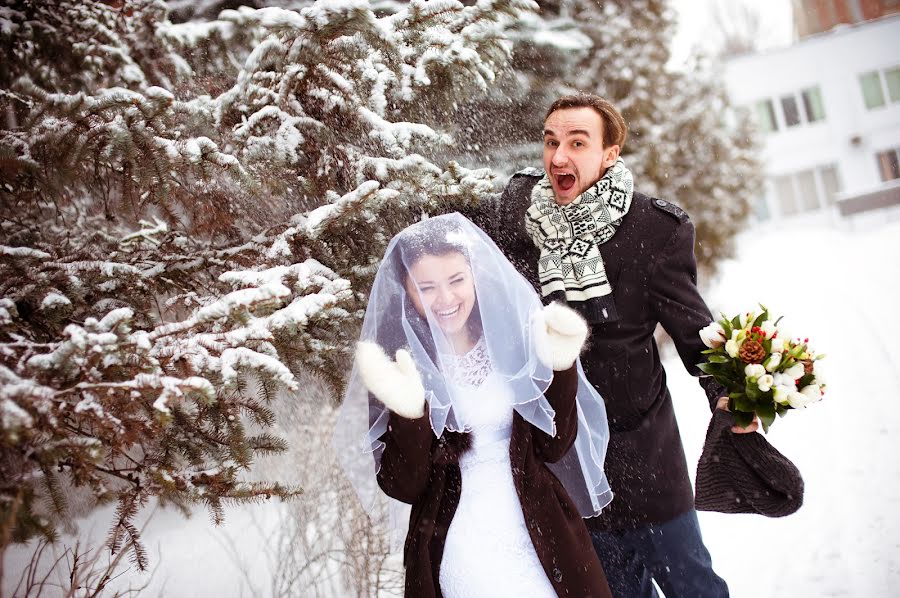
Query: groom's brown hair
(614, 128)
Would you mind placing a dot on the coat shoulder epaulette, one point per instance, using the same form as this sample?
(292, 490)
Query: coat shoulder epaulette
(530, 171)
(669, 208)
(520, 186)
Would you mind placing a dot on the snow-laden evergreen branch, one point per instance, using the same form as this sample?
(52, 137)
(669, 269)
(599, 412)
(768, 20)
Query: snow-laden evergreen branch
(191, 215)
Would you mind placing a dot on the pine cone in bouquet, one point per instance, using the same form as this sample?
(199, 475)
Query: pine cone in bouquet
(752, 352)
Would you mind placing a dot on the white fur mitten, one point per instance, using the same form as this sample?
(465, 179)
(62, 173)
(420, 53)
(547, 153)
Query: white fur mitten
(397, 384)
(560, 333)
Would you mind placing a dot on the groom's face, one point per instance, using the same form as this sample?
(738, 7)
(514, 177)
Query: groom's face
(574, 155)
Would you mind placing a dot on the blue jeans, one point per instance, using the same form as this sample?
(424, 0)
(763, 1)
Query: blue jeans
(672, 553)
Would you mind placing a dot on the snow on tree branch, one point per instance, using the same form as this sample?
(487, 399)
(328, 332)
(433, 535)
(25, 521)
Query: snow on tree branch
(191, 216)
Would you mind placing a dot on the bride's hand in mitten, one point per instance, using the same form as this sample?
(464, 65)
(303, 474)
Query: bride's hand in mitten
(397, 384)
(561, 337)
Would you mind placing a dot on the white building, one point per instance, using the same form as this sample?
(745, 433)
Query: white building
(829, 108)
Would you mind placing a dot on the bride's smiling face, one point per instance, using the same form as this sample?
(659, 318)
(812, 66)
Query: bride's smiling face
(443, 285)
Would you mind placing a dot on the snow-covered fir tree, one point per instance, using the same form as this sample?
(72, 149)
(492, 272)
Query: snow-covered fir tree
(190, 216)
(712, 165)
(503, 128)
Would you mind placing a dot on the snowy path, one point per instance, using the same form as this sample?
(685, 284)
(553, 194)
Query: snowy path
(845, 540)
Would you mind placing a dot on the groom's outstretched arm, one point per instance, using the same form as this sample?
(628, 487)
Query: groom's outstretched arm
(683, 312)
(678, 304)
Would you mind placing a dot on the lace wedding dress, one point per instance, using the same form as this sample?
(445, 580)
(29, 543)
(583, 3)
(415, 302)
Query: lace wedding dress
(488, 551)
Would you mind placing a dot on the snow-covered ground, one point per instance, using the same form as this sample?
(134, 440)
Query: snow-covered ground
(836, 284)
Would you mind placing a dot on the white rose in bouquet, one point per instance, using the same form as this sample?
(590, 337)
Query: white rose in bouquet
(732, 347)
(765, 382)
(819, 373)
(809, 394)
(772, 362)
(784, 386)
(768, 328)
(784, 334)
(798, 400)
(713, 335)
(812, 392)
(754, 370)
(795, 372)
(777, 345)
(782, 394)
(782, 379)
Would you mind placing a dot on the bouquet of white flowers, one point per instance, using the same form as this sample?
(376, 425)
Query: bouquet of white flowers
(765, 372)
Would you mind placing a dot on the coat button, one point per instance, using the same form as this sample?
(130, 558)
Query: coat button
(557, 575)
(661, 203)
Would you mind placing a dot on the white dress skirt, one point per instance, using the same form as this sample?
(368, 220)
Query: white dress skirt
(488, 551)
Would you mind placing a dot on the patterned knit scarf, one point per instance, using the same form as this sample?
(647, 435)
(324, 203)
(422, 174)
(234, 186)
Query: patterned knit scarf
(570, 236)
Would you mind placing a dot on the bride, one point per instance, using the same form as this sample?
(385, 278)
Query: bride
(479, 417)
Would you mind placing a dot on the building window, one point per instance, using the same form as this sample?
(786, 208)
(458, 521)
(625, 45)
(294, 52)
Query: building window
(892, 78)
(806, 190)
(784, 192)
(871, 90)
(880, 87)
(765, 113)
(790, 110)
(831, 184)
(889, 165)
(812, 104)
(791, 115)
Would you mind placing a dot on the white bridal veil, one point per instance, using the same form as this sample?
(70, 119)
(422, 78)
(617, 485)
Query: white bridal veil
(504, 314)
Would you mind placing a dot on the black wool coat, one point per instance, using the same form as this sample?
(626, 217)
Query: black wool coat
(419, 469)
(651, 267)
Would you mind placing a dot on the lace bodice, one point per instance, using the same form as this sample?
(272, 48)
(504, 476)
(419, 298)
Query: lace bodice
(469, 369)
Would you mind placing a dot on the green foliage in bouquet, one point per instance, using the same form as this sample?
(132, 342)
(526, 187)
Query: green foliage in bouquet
(765, 371)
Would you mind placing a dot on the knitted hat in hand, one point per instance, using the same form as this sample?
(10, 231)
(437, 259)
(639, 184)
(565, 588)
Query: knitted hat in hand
(743, 473)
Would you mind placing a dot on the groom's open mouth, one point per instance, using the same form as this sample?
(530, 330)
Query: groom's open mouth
(565, 181)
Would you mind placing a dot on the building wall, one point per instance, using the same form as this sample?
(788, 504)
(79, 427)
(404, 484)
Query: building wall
(816, 16)
(840, 149)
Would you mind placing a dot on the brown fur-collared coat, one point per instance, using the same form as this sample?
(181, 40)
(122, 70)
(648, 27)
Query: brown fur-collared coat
(419, 469)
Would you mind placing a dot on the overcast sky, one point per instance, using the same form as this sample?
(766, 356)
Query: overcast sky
(695, 24)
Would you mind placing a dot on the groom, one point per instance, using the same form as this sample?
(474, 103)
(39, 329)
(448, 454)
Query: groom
(580, 233)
